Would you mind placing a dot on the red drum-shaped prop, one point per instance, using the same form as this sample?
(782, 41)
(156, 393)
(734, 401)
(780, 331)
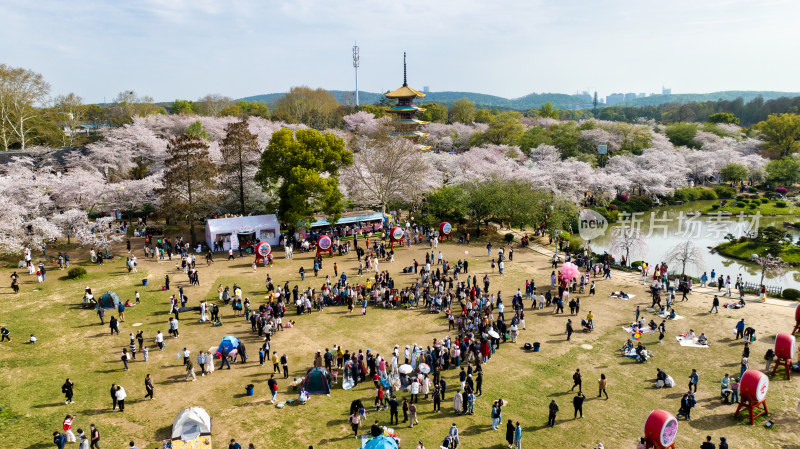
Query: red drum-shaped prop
(797, 313)
(660, 429)
(785, 346)
(324, 243)
(263, 249)
(445, 228)
(397, 234)
(753, 386)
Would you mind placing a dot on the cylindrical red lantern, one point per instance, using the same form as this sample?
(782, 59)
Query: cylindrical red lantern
(324, 243)
(263, 249)
(397, 234)
(660, 428)
(445, 229)
(753, 386)
(784, 346)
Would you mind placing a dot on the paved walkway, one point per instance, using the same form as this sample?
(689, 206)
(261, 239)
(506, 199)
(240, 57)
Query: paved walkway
(637, 277)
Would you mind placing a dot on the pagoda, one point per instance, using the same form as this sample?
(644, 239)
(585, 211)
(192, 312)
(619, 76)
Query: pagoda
(406, 123)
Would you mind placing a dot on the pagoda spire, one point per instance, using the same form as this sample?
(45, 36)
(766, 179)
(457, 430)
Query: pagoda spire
(405, 80)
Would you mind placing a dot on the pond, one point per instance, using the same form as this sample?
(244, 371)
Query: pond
(667, 226)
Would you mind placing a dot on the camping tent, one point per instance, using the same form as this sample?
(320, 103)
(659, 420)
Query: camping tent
(109, 300)
(191, 423)
(381, 442)
(256, 228)
(317, 381)
(228, 342)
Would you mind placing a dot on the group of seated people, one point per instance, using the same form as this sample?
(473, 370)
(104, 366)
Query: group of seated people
(620, 294)
(663, 379)
(700, 340)
(667, 312)
(639, 352)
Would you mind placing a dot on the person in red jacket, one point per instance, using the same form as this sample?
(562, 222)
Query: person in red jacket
(68, 429)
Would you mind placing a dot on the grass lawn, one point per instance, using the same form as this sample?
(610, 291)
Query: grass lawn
(73, 344)
(763, 208)
(745, 250)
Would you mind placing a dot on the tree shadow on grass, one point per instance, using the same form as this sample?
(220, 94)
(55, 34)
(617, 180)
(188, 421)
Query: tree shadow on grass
(51, 405)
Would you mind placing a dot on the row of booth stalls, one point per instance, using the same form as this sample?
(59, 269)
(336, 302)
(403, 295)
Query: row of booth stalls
(223, 234)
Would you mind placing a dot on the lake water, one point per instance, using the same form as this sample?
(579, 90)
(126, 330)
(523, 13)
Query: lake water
(667, 226)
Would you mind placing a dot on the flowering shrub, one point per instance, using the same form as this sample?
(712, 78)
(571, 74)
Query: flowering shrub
(622, 197)
(782, 190)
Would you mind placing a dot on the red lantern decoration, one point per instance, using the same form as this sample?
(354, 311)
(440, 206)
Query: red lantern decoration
(324, 245)
(446, 230)
(753, 388)
(396, 235)
(263, 250)
(660, 429)
(784, 351)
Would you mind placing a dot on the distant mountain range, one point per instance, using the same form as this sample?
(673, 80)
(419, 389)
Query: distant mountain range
(560, 101)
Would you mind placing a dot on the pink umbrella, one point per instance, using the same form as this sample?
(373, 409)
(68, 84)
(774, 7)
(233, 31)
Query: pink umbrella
(569, 271)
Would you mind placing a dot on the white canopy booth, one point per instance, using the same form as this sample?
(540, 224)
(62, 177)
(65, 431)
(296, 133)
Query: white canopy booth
(190, 424)
(223, 234)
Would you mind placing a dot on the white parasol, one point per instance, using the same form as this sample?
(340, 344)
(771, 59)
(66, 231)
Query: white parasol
(405, 369)
(492, 333)
(424, 368)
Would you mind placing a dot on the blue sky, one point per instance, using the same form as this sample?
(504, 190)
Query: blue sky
(189, 48)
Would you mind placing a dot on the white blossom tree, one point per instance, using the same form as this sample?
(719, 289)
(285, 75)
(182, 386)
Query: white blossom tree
(628, 241)
(772, 266)
(685, 253)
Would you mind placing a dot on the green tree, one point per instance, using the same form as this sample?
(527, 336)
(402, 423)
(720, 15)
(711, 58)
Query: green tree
(185, 107)
(534, 137)
(447, 203)
(682, 134)
(483, 116)
(313, 107)
(781, 134)
(434, 112)
(240, 153)
(723, 117)
(548, 110)
(196, 129)
(566, 137)
(462, 111)
(733, 172)
(305, 165)
(783, 172)
(505, 129)
(189, 180)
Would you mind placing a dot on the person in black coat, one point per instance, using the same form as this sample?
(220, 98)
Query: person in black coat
(577, 402)
(510, 433)
(553, 409)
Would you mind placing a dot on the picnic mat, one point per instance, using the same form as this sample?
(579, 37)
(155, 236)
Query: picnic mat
(624, 299)
(644, 331)
(666, 317)
(689, 343)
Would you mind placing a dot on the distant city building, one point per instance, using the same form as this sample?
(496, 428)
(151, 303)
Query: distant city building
(666, 91)
(630, 96)
(613, 99)
(641, 95)
(426, 89)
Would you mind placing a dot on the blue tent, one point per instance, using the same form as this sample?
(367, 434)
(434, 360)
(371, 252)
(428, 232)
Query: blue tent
(381, 442)
(228, 342)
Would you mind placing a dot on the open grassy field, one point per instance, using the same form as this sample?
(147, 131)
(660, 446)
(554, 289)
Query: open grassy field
(73, 344)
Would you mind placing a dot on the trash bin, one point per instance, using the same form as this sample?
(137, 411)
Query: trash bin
(250, 390)
(536, 346)
(144, 281)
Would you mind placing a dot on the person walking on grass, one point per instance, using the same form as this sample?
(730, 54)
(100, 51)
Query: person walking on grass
(148, 386)
(59, 440)
(120, 396)
(67, 426)
(694, 378)
(577, 381)
(273, 387)
(94, 436)
(510, 433)
(602, 383)
(714, 304)
(68, 391)
(577, 403)
(553, 410)
(518, 436)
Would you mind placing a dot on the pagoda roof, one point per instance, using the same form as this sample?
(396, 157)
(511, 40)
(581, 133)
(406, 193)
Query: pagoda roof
(411, 134)
(405, 92)
(405, 109)
(409, 122)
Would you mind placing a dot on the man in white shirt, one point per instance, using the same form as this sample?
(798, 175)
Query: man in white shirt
(121, 395)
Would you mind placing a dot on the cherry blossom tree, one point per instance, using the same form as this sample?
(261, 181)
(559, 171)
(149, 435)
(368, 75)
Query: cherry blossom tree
(772, 266)
(629, 241)
(685, 253)
(387, 169)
